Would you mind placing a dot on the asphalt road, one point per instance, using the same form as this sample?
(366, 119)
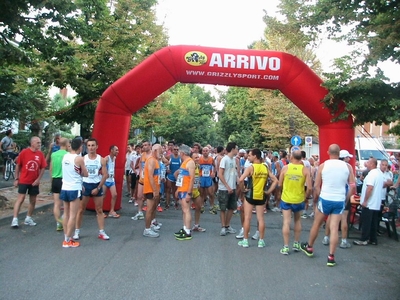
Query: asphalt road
(33, 264)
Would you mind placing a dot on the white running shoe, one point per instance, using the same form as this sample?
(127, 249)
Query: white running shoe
(325, 240)
(230, 230)
(76, 234)
(14, 223)
(150, 233)
(29, 221)
(138, 216)
(256, 236)
(155, 228)
(241, 234)
(103, 236)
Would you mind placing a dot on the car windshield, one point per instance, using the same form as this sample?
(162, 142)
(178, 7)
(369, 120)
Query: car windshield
(379, 155)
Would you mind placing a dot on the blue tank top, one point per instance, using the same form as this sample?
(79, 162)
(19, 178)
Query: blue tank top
(174, 165)
(55, 148)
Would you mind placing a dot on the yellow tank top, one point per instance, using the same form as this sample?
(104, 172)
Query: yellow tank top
(293, 184)
(257, 182)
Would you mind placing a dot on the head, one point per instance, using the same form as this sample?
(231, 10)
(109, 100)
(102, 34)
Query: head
(282, 154)
(345, 155)
(297, 156)
(231, 147)
(156, 151)
(196, 157)
(220, 149)
(91, 146)
(255, 155)
(334, 151)
(114, 150)
(196, 148)
(146, 146)
(372, 163)
(311, 161)
(76, 144)
(9, 133)
(303, 154)
(184, 150)
(138, 149)
(171, 145)
(275, 156)
(205, 151)
(242, 153)
(35, 143)
(64, 142)
(57, 137)
(384, 166)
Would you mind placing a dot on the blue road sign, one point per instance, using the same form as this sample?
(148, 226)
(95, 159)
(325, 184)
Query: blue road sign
(295, 148)
(295, 140)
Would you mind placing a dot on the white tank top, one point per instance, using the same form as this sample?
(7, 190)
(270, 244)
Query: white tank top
(335, 176)
(71, 174)
(93, 166)
(110, 169)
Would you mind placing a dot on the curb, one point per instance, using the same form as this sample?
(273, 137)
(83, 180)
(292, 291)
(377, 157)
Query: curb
(22, 214)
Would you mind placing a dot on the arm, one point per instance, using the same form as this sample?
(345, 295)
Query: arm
(79, 161)
(103, 178)
(282, 177)
(247, 173)
(192, 168)
(307, 174)
(151, 165)
(368, 193)
(49, 152)
(352, 184)
(222, 179)
(318, 182)
(274, 183)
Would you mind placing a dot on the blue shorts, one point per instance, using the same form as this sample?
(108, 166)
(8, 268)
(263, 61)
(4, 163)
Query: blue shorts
(109, 183)
(89, 187)
(206, 182)
(69, 196)
(294, 207)
(182, 195)
(171, 177)
(331, 207)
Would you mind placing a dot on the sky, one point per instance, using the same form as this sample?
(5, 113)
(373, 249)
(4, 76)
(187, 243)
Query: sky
(234, 24)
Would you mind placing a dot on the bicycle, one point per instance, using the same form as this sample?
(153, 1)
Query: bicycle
(9, 166)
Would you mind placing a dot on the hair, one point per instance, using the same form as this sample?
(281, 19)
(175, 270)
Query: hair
(185, 149)
(384, 160)
(8, 132)
(297, 155)
(112, 147)
(198, 145)
(374, 161)
(303, 154)
(132, 144)
(220, 149)
(92, 140)
(76, 143)
(256, 152)
(145, 141)
(230, 146)
(171, 142)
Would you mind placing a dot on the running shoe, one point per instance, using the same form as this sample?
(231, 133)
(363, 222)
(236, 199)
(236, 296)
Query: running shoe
(198, 228)
(159, 208)
(150, 233)
(14, 223)
(276, 209)
(344, 245)
(193, 206)
(360, 243)
(144, 208)
(296, 247)
(131, 200)
(325, 240)
(136, 204)
(304, 216)
(241, 234)
(103, 236)
(265, 210)
(76, 234)
(331, 261)
(202, 209)
(179, 232)
(29, 221)
(285, 250)
(261, 243)
(59, 227)
(309, 251)
(311, 215)
(138, 216)
(213, 211)
(230, 230)
(222, 232)
(183, 236)
(155, 223)
(244, 243)
(166, 207)
(155, 227)
(70, 244)
(256, 235)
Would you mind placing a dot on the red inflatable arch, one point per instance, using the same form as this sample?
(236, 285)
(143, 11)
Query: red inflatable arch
(232, 67)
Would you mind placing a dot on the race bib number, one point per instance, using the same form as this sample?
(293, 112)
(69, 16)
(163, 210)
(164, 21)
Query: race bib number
(196, 183)
(206, 172)
(179, 180)
(92, 171)
(142, 174)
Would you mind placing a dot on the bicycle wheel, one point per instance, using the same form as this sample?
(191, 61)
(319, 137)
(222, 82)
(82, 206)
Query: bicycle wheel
(7, 172)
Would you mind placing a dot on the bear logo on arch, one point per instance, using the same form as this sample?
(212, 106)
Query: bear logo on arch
(196, 58)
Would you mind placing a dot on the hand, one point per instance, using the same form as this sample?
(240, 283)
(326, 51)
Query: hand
(16, 183)
(230, 191)
(95, 191)
(36, 182)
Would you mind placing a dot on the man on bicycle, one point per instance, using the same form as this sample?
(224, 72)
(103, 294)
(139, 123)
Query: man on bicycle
(7, 146)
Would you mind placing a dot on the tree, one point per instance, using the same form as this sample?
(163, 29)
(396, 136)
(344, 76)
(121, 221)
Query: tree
(374, 27)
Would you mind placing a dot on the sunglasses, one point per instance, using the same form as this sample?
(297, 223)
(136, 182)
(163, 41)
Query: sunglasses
(176, 149)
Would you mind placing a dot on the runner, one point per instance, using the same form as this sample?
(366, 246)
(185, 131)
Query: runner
(110, 181)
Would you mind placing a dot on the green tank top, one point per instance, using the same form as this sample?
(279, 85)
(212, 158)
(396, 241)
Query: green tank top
(56, 163)
(293, 184)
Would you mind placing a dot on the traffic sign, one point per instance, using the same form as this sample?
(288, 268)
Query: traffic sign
(295, 140)
(295, 148)
(308, 141)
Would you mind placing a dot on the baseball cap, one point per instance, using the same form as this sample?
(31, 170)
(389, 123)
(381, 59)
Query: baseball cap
(275, 154)
(344, 154)
(242, 151)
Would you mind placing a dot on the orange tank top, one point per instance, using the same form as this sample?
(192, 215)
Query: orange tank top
(206, 166)
(183, 180)
(143, 158)
(156, 175)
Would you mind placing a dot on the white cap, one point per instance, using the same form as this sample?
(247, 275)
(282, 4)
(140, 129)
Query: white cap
(344, 154)
(242, 151)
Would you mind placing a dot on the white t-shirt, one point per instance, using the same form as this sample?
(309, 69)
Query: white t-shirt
(133, 158)
(230, 173)
(335, 176)
(386, 176)
(374, 178)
